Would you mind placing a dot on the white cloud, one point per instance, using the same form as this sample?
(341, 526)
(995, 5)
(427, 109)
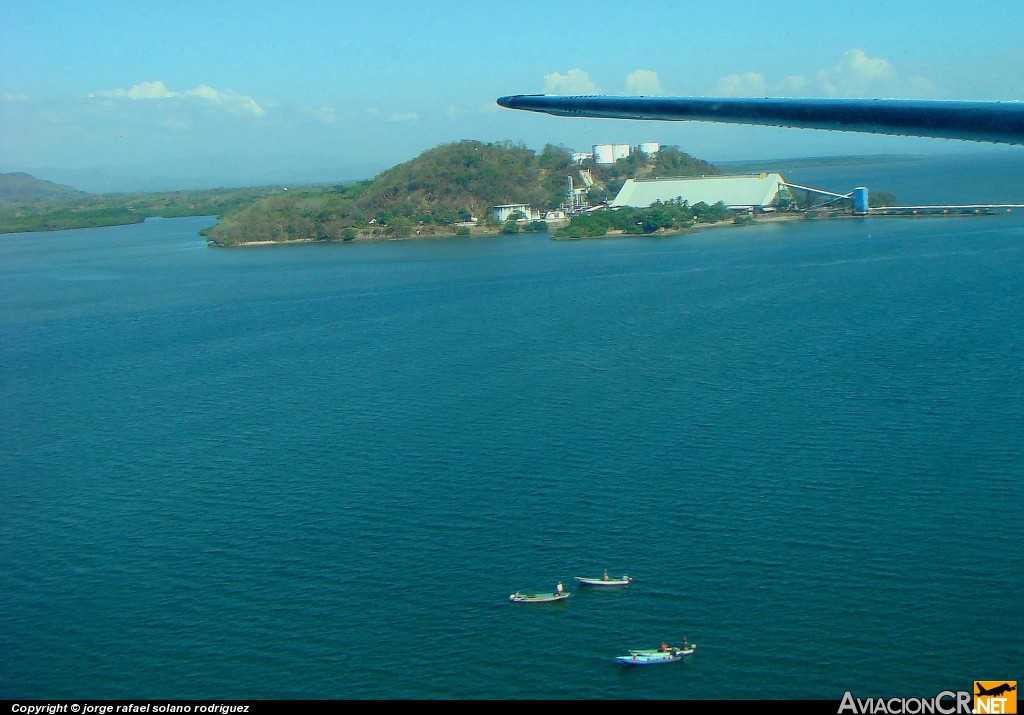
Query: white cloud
(575, 82)
(453, 112)
(854, 75)
(327, 115)
(206, 92)
(142, 90)
(228, 99)
(13, 97)
(793, 86)
(644, 82)
(149, 90)
(405, 117)
(857, 75)
(750, 84)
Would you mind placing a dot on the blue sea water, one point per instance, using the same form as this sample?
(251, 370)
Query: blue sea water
(319, 471)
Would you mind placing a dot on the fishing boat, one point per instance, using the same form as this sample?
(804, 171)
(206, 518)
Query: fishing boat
(538, 597)
(605, 580)
(656, 656)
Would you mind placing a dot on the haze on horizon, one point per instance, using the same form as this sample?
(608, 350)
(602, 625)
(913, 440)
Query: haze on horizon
(132, 96)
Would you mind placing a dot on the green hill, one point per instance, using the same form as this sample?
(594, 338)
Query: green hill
(435, 192)
(469, 176)
(18, 186)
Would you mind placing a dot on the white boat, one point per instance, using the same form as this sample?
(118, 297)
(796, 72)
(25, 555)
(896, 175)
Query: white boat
(605, 580)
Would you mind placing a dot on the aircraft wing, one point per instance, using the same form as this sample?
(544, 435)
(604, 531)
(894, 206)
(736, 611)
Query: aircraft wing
(1000, 122)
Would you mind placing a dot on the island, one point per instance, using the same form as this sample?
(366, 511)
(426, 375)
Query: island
(466, 188)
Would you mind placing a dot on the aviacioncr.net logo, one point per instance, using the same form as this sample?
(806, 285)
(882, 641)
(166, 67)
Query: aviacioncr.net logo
(995, 697)
(947, 702)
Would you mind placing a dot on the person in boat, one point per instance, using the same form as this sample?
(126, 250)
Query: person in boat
(558, 588)
(664, 647)
(606, 574)
(686, 644)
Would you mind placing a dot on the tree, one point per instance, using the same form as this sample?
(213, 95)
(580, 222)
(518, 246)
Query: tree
(399, 227)
(554, 157)
(881, 198)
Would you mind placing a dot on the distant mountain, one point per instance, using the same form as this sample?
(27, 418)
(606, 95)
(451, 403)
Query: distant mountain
(758, 165)
(18, 186)
(210, 171)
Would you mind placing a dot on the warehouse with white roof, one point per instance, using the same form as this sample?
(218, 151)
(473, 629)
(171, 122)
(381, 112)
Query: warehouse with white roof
(758, 193)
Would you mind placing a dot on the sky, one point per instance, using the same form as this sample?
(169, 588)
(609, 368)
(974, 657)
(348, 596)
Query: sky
(124, 96)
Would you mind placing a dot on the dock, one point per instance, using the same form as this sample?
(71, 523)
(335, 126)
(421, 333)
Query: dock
(957, 210)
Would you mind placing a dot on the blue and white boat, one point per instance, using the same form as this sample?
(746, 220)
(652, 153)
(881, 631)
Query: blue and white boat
(656, 656)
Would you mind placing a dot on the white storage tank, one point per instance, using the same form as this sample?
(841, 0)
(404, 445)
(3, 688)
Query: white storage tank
(650, 148)
(620, 151)
(604, 154)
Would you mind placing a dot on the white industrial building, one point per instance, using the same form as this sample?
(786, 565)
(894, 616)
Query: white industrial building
(611, 153)
(603, 154)
(501, 213)
(752, 193)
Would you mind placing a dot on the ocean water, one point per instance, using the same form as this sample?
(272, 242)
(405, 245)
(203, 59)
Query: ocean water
(319, 471)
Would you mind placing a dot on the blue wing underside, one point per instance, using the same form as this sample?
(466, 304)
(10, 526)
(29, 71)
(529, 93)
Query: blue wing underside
(998, 122)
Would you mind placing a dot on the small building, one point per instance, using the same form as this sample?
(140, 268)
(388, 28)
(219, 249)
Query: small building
(579, 157)
(501, 213)
(758, 193)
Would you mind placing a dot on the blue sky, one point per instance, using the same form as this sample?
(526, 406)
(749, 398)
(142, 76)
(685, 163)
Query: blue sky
(137, 95)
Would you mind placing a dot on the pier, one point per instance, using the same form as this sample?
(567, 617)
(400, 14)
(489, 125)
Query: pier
(962, 210)
(856, 202)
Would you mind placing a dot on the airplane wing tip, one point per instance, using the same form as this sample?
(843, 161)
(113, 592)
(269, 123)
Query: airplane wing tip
(514, 101)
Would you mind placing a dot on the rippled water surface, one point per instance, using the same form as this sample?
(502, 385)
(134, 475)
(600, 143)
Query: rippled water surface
(318, 471)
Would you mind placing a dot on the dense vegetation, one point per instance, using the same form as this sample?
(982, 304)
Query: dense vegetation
(878, 199)
(433, 194)
(673, 216)
(31, 204)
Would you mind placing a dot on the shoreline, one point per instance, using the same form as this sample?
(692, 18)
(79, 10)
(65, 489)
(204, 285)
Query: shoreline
(490, 233)
(778, 218)
(615, 234)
